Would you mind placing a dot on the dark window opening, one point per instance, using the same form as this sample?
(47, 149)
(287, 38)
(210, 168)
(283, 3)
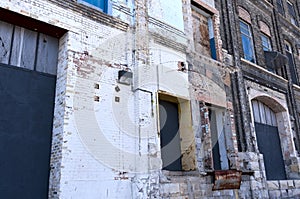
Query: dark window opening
(291, 64)
(280, 7)
(292, 13)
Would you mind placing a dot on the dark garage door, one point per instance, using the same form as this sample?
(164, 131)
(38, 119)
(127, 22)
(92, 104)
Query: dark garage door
(26, 115)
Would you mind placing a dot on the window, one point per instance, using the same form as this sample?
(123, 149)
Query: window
(103, 5)
(292, 13)
(289, 53)
(212, 39)
(280, 7)
(203, 30)
(266, 42)
(247, 41)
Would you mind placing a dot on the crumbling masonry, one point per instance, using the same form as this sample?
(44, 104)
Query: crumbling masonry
(150, 99)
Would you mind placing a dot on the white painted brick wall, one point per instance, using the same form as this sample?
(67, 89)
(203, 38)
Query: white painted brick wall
(100, 140)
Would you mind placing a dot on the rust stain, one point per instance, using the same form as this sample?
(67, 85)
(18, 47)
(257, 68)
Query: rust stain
(227, 179)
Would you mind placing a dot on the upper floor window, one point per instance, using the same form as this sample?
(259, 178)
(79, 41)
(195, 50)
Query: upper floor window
(292, 13)
(247, 41)
(103, 5)
(280, 6)
(266, 42)
(293, 71)
(203, 31)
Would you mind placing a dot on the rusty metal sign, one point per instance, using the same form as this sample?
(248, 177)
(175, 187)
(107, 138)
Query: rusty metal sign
(227, 179)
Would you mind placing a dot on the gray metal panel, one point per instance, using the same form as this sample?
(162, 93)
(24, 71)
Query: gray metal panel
(170, 136)
(6, 31)
(47, 54)
(26, 117)
(215, 140)
(269, 145)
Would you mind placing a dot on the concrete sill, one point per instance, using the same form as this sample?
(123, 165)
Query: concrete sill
(244, 172)
(180, 173)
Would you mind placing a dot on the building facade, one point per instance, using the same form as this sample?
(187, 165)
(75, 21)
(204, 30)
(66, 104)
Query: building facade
(149, 99)
(263, 37)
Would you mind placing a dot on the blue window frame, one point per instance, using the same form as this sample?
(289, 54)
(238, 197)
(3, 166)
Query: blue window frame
(212, 42)
(266, 42)
(103, 5)
(247, 42)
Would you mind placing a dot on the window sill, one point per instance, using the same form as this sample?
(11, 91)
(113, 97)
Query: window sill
(91, 13)
(263, 69)
(180, 173)
(296, 86)
(287, 22)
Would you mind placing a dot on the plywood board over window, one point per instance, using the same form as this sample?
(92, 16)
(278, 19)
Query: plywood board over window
(28, 49)
(6, 31)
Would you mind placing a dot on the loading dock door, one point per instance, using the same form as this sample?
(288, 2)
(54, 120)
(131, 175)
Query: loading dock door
(170, 136)
(268, 140)
(26, 116)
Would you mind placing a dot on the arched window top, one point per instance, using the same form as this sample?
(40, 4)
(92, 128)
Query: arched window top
(263, 114)
(264, 28)
(244, 14)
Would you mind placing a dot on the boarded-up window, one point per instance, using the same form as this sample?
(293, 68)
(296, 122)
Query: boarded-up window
(28, 49)
(263, 114)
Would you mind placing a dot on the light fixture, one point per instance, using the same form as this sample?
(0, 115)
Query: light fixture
(124, 77)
